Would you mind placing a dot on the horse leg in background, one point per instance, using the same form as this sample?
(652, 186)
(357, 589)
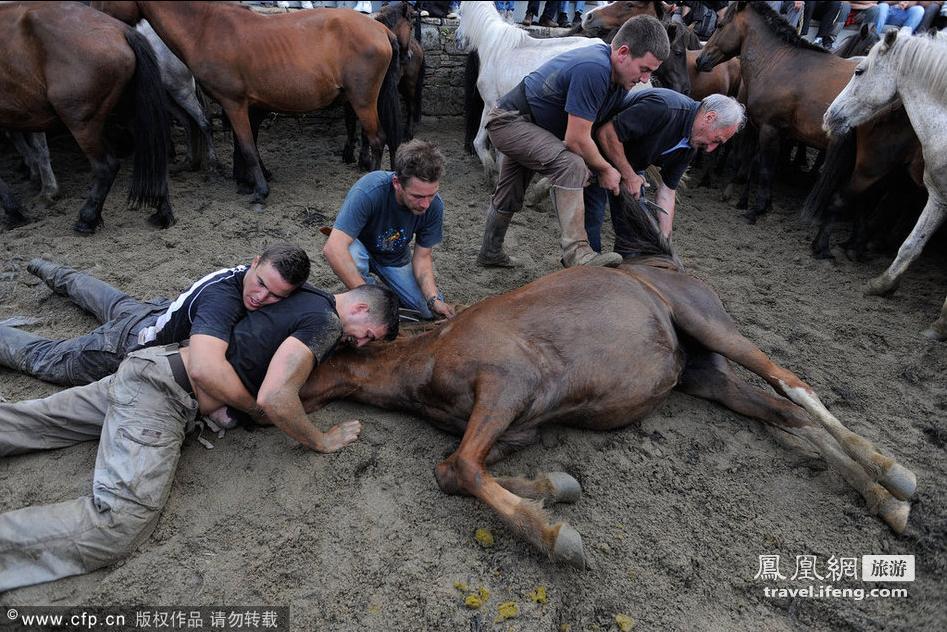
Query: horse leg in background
(938, 329)
(104, 168)
(348, 152)
(769, 151)
(369, 157)
(496, 405)
(927, 224)
(35, 151)
(740, 161)
(187, 102)
(181, 118)
(11, 206)
(709, 376)
(490, 167)
(257, 116)
(239, 116)
(699, 313)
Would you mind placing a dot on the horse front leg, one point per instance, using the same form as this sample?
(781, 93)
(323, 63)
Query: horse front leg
(244, 145)
(348, 152)
(927, 224)
(768, 155)
(464, 472)
(49, 188)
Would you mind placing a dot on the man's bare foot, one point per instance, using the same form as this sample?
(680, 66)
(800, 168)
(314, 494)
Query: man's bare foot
(339, 436)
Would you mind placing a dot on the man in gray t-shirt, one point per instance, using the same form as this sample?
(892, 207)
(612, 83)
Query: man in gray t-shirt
(380, 216)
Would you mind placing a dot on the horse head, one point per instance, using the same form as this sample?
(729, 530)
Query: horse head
(726, 41)
(672, 73)
(608, 18)
(873, 86)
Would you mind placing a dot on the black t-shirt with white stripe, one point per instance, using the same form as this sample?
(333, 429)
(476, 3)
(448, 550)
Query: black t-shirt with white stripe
(308, 314)
(210, 307)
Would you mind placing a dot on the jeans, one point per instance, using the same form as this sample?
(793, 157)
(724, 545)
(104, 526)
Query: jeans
(399, 278)
(595, 200)
(883, 14)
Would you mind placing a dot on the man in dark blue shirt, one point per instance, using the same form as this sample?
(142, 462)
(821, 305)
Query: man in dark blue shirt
(380, 216)
(205, 313)
(666, 129)
(544, 125)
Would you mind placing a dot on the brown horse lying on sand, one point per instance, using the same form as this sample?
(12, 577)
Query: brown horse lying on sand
(593, 348)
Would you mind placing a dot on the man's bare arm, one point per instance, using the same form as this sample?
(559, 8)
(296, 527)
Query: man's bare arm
(280, 400)
(578, 139)
(337, 253)
(212, 375)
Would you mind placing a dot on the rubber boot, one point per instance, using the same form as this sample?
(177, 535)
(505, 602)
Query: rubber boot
(491, 251)
(576, 251)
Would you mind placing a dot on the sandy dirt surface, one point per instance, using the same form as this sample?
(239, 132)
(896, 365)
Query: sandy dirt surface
(676, 510)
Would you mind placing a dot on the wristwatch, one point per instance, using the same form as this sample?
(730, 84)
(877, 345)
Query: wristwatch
(431, 300)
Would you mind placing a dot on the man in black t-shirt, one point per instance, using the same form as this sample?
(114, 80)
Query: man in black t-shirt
(205, 312)
(140, 416)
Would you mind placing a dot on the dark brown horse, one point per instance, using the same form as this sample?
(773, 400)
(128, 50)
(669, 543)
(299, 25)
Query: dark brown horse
(788, 82)
(721, 79)
(62, 63)
(290, 63)
(673, 71)
(399, 17)
(592, 348)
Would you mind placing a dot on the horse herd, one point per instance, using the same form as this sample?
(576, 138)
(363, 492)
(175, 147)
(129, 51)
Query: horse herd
(502, 368)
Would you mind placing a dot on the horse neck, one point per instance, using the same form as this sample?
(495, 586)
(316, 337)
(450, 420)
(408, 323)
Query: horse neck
(490, 35)
(382, 374)
(180, 25)
(926, 112)
(761, 52)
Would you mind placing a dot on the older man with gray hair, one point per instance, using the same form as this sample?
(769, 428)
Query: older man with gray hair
(662, 128)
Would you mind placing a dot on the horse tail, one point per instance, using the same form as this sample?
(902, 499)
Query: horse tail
(389, 101)
(419, 92)
(637, 232)
(473, 102)
(149, 184)
(837, 168)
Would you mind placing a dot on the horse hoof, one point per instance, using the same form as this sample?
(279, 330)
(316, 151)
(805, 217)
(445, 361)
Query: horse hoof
(568, 547)
(243, 188)
(257, 207)
(749, 218)
(900, 481)
(565, 489)
(895, 514)
(933, 334)
(16, 220)
(879, 287)
(160, 220)
(84, 228)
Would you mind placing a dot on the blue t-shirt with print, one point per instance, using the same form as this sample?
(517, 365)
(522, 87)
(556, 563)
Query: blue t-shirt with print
(371, 214)
(577, 82)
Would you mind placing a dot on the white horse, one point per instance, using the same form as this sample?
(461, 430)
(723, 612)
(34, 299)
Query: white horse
(507, 54)
(914, 70)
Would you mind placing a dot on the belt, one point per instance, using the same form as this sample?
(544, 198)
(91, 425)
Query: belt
(180, 373)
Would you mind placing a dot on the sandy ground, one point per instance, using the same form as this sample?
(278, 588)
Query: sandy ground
(675, 513)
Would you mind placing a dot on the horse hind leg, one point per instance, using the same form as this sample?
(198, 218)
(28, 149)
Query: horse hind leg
(938, 329)
(708, 375)
(348, 152)
(464, 472)
(49, 188)
(699, 313)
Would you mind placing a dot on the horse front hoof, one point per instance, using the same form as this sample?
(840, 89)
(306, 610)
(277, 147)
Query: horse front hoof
(84, 228)
(900, 481)
(879, 286)
(15, 219)
(161, 220)
(895, 514)
(565, 489)
(750, 217)
(568, 548)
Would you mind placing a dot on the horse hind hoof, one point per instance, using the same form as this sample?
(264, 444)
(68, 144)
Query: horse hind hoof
(565, 489)
(160, 220)
(900, 481)
(568, 548)
(879, 287)
(750, 218)
(895, 514)
(85, 228)
(257, 207)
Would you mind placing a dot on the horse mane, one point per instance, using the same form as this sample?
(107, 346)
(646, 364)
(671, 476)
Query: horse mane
(646, 237)
(390, 14)
(922, 57)
(777, 25)
(486, 31)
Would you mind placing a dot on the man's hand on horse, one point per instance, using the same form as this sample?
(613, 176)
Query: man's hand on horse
(633, 184)
(442, 309)
(339, 436)
(609, 179)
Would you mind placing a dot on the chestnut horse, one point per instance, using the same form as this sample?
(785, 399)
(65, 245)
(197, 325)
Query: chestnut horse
(62, 63)
(399, 17)
(788, 81)
(593, 348)
(289, 63)
(604, 20)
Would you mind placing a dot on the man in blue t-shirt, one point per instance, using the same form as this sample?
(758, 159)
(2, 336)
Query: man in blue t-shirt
(544, 125)
(380, 216)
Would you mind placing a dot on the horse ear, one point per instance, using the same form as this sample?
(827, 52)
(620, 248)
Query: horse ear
(864, 30)
(890, 37)
(672, 31)
(741, 6)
